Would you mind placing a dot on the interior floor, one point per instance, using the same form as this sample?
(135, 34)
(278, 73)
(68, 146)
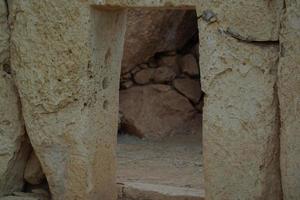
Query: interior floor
(173, 161)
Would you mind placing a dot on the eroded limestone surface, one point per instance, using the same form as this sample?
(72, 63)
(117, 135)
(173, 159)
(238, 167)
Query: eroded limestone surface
(69, 96)
(240, 131)
(289, 97)
(14, 147)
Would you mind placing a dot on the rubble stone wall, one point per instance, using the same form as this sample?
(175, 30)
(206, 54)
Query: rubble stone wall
(162, 96)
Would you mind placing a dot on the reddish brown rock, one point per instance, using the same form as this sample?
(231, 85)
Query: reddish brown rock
(195, 50)
(171, 62)
(189, 65)
(189, 88)
(150, 31)
(126, 84)
(156, 111)
(163, 75)
(144, 76)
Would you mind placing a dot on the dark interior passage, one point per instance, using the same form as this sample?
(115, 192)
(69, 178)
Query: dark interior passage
(160, 117)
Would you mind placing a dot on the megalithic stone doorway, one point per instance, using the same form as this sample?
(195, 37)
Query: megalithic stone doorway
(66, 57)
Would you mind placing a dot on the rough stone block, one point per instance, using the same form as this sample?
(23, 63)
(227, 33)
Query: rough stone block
(66, 53)
(240, 124)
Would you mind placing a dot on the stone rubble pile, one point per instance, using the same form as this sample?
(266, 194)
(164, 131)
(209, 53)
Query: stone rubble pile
(162, 96)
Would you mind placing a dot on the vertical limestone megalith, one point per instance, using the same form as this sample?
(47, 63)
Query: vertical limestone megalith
(289, 98)
(67, 62)
(240, 134)
(240, 123)
(14, 146)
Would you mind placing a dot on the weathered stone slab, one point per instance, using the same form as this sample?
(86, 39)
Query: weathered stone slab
(240, 131)
(143, 191)
(289, 97)
(247, 20)
(255, 20)
(14, 147)
(185, 4)
(26, 196)
(68, 97)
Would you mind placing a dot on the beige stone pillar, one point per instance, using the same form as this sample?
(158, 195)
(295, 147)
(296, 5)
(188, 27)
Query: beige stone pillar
(289, 98)
(14, 146)
(67, 62)
(240, 123)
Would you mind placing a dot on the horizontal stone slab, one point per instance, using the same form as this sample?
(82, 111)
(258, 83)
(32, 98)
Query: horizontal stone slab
(143, 191)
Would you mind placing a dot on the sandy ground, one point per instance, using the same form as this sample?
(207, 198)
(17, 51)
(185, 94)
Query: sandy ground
(174, 161)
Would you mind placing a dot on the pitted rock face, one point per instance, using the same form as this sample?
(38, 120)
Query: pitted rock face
(240, 121)
(68, 87)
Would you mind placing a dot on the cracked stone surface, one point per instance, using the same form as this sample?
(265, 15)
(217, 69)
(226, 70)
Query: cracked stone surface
(240, 16)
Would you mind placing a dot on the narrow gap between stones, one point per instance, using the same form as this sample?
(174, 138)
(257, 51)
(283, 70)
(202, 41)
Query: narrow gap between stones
(276, 97)
(241, 38)
(35, 184)
(280, 54)
(161, 101)
(7, 8)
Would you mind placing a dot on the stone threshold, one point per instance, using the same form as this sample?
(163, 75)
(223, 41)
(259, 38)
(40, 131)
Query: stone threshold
(145, 191)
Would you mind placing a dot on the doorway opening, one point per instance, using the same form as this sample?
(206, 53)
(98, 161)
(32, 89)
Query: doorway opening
(160, 106)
